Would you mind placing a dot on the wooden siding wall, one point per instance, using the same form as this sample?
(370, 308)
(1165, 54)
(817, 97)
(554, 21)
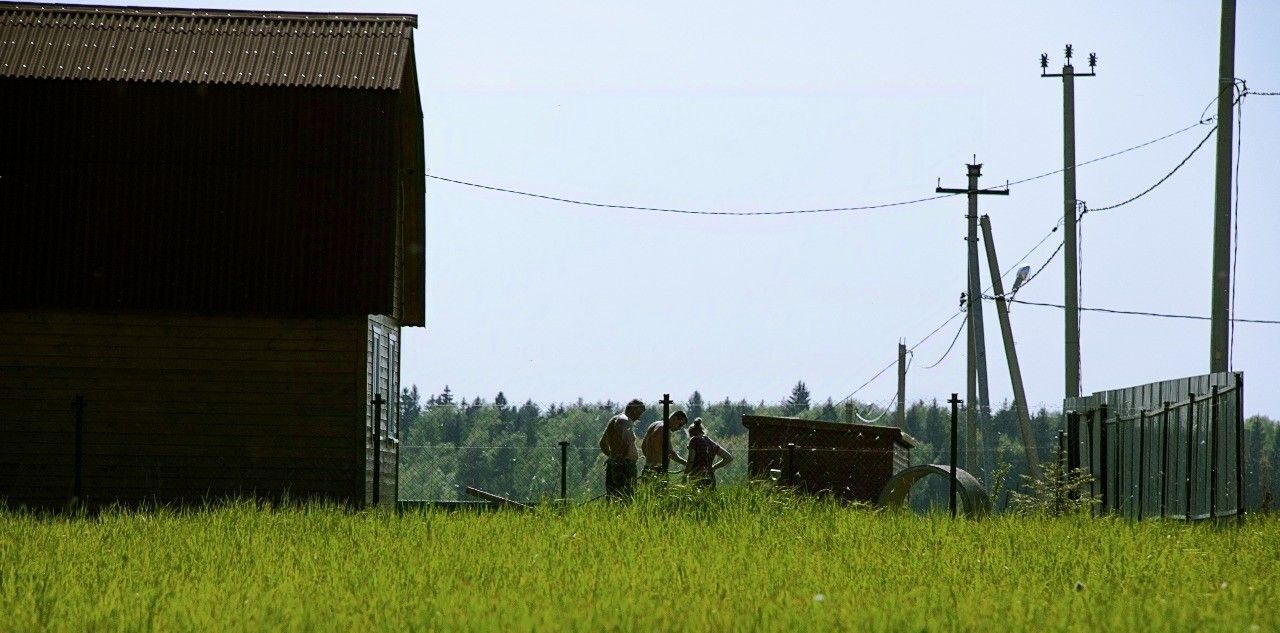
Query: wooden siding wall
(134, 196)
(411, 263)
(852, 462)
(178, 407)
(382, 376)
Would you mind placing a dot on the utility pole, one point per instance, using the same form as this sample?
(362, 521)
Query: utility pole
(1010, 352)
(902, 385)
(1071, 277)
(1220, 310)
(976, 383)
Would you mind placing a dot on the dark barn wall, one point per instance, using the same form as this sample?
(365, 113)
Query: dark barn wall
(226, 199)
(179, 407)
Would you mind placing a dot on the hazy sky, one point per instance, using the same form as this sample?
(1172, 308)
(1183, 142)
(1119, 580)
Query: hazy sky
(767, 106)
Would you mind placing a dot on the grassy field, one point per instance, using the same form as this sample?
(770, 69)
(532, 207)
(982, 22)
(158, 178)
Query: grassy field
(743, 560)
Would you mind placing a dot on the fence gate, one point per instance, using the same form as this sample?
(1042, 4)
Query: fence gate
(1165, 449)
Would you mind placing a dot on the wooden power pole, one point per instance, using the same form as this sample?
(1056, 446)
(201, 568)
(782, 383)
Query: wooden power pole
(1071, 277)
(976, 379)
(1220, 306)
(1011, 352)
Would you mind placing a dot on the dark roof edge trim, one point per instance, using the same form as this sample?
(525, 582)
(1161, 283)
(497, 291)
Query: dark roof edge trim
(91, 9)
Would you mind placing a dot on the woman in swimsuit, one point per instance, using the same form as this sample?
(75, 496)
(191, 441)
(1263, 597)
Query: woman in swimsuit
(702, 465)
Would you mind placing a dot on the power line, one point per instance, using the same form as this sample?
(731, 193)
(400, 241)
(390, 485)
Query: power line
(869, 207)
(1163, 315)
(912, 349)
(1116, 153)
(895, 360)
(686, 211)
(1162, 180)
(951, 346)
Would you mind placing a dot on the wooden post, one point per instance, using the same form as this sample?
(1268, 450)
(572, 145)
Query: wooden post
(848, 413)
(499, 500)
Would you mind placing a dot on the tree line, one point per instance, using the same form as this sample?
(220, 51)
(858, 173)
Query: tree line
(449, 441)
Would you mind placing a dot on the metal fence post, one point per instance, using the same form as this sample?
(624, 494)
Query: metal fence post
(1091, 450)
(955, 408)
(1062, 472)
(1104, 468)
(666, 434)
(1164, 459)
(378, 401)
(1213, 452)
(78, 490)
(564, 470)
(1191, 444)
(791, 464)
(1110, 476)
(1241, 506)
(1142, 463)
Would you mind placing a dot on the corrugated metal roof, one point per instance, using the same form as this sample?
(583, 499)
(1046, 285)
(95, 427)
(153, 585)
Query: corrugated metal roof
(203, 46)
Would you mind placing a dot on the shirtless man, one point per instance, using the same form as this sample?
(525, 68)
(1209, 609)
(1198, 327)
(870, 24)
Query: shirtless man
(651, 445)
(618, 443)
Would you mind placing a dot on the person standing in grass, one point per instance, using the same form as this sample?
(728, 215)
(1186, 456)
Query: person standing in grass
(651, 445)
(702, 465)
(618, 443)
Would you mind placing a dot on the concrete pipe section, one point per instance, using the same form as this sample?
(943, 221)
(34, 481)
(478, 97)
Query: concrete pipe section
(969, 491)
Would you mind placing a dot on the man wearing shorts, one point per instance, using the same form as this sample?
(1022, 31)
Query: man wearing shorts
(618, 443)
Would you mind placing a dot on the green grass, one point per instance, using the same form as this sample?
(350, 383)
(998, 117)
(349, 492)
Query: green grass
(742, 560)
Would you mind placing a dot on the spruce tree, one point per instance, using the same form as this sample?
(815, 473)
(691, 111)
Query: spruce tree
(799, 400)
(695, 405)
(410, 409)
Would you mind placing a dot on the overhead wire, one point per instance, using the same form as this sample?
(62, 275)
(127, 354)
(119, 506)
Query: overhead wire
(1084, 209)
(1201, 121)
(868, 207)
(1164, 315)
(955, 338)
(1163, 179)
(894, 361)
(688, 211)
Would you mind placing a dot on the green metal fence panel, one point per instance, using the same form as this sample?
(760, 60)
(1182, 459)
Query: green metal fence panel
(1172, 448)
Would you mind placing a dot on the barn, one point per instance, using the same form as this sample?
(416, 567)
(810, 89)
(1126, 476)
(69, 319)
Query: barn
(212, 236)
